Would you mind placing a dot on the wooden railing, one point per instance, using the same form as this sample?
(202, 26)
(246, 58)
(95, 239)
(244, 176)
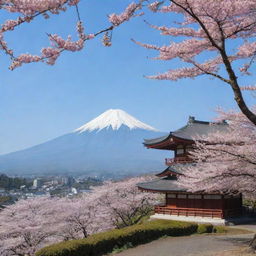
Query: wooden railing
(178, 159)
(212, 213)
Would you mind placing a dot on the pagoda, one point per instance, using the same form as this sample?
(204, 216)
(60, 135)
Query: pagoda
(181, 204)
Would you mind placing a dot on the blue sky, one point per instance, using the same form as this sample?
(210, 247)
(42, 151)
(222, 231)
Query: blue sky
(40, 102)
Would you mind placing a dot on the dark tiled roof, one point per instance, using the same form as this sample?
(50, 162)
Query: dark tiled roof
(157, 140)
(198, 128)
(177, 168)
(162, 185)
(191, 130)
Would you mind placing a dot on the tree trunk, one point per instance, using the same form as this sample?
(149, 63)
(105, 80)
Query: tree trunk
(253, 243)
(236, 89)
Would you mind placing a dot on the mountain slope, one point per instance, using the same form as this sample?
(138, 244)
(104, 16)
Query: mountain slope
(110, 144)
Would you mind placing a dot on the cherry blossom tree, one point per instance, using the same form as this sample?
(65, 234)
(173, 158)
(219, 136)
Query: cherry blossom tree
(82, 216)
(124, 203)
(225, 161)
(26, 226)
(212, 35)
(33, 223)
(30, 224)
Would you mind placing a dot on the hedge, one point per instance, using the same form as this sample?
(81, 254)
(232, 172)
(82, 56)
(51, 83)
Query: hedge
(204, 228)
(220, 229)
(102, 243)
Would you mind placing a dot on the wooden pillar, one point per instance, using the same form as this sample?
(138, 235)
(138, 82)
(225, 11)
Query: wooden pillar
(241, 203)
(223, 206)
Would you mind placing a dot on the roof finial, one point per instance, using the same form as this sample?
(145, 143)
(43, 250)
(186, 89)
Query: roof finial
(191, 119)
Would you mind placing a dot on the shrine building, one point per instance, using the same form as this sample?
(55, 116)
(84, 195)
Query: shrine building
(215, 208)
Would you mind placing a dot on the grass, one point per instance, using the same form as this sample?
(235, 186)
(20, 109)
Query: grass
(238, 231)
(232, 231)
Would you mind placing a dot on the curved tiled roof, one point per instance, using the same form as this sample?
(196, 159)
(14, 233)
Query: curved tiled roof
(165, 184)
(157, 140)
(191, 130)
(175, 169)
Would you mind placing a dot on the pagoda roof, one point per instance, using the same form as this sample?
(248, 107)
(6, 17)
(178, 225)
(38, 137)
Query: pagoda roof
(164, 184)
(187, 134)
(176, 169)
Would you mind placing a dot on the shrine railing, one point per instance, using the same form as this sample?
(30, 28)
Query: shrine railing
(178, 159)
(212, 213)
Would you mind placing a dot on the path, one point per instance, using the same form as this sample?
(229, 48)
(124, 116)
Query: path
(195, 245)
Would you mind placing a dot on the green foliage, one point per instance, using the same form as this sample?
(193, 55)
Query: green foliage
(4, 199)
(60, 192)
(105, 242)
(139, 217)
(204, 228)
(86, 184)
(220, 229)
(250, 203)
(125, 247)
(12, 183)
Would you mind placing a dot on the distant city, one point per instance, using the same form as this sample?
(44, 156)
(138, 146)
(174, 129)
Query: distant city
(13, 189)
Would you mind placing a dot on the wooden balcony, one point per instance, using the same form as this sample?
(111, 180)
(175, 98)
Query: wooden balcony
(178, 160)
(210, 213)
(194, 212)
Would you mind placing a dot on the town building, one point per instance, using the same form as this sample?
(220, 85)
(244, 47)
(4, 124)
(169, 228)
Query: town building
(37, 183)
(181, 204)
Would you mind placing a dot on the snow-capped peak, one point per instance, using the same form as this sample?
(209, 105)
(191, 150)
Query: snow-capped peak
(114, 118)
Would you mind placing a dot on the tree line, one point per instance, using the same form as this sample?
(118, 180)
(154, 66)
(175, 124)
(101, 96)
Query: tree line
(9, 183)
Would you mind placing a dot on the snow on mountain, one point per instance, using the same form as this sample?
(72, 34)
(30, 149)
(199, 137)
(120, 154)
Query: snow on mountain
(109, 145)
(114, 118)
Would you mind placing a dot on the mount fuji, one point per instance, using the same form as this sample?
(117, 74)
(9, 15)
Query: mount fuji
(109, 145)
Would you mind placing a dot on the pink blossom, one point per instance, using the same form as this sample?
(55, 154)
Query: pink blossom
(247, 50)
(24, 58)
(210, 66)
(128, 13)
(90, 36)
(154, 7)
(248, 88)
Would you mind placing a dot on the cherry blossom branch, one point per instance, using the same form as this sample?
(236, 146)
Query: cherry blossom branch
(188, 9)
(33, 9)
(210, 73)
(12, 24)
(217, 22)
(243, 157)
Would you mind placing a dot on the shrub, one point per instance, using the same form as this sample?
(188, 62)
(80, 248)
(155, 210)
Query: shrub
(220, 229)
(125, 247)
(204, 228)
(102, 243)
